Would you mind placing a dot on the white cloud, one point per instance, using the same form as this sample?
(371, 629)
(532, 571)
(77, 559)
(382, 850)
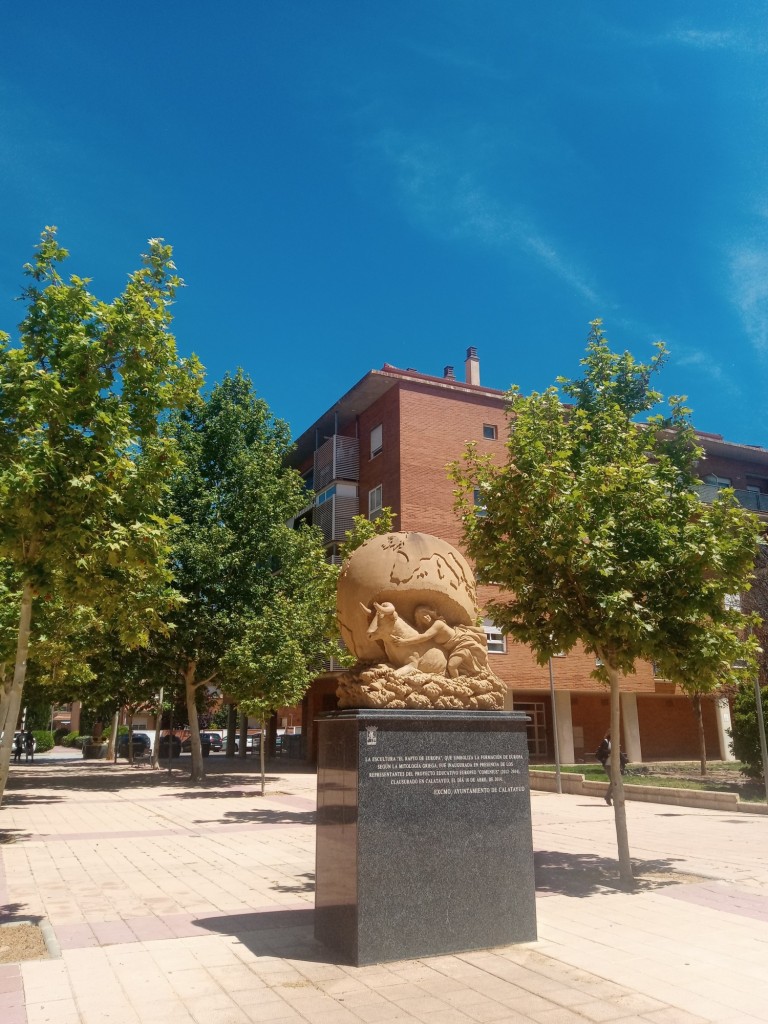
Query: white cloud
(446, 198)
(705, 364)
(702, 40)
(749, 284)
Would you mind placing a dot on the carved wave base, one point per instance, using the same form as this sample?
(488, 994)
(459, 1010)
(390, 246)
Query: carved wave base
(369, 685)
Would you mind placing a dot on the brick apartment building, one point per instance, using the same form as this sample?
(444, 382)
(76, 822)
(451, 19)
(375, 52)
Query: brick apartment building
(387, 441)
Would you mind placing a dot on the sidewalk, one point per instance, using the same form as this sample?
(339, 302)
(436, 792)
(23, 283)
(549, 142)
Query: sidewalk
(173, 904)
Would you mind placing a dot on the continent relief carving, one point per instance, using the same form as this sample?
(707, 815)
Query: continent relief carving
(407, 608)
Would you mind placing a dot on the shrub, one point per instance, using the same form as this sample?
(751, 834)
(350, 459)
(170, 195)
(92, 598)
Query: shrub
(43, 739)
(745, 733)
(59, 734)
(68, 740)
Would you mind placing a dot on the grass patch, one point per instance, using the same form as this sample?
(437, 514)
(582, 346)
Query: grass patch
(722, 777)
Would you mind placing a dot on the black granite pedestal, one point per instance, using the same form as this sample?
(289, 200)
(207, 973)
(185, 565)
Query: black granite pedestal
(423, 833)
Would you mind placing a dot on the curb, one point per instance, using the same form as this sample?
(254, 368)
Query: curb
(578, 785)
(47, 932)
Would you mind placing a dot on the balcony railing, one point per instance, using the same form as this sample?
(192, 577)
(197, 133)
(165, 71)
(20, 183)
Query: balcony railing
(754, 500)
(337, 459)
(336, 516)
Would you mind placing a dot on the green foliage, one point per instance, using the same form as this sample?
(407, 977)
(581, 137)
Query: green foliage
(45, 740)
(745, 732)
(593, 530)
(364, 529)
(68, 740)
(83, 459)
(259, 596)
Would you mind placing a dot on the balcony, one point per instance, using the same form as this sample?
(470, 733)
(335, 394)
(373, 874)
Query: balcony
(337, 459)
(336, 516)
(754, 500)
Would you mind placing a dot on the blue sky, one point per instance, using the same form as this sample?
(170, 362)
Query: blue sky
(352, 183)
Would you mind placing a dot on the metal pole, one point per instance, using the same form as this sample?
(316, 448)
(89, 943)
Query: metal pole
(170, 739)
(761, 728)
(554, 729)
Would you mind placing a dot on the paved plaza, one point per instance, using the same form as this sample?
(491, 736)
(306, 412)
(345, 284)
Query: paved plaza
(170, 904)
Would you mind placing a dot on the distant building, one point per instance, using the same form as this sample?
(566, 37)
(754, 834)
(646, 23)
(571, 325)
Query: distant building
(387, 442)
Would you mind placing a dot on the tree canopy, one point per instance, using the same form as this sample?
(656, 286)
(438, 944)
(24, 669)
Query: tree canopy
(83, 461)
(257, 619)
(594, 532)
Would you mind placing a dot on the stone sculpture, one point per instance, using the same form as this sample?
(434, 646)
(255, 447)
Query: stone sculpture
(407, 609)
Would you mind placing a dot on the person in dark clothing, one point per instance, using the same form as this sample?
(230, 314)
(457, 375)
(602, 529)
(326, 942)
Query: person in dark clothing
(18, 746)
(603, 755)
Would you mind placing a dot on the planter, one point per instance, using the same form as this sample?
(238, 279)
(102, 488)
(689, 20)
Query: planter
(94, 751)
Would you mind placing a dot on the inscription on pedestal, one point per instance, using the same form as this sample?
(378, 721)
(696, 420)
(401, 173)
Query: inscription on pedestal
(424, 833)
(449, 774)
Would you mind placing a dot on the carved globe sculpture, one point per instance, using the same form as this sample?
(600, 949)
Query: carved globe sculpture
(407, 609)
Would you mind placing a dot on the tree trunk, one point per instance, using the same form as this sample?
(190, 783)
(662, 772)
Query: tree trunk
(17, 686)
(697, 710)
(112, 748)
(231, 729)
(617, 782)
(197, 774)
(158, 724)
(242, 751)
(6, 682)
(263, 753)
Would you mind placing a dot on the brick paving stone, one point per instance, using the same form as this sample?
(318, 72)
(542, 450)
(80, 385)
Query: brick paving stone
(204, 899)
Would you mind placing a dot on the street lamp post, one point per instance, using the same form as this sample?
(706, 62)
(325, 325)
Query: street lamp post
(554, 728)
(761, 730)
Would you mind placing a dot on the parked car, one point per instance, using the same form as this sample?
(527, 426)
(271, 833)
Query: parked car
(214, 739)
(252, 743)
(205, 744)
(165, 741)
(142, 745)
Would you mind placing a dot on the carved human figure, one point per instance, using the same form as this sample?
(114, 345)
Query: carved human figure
(388, 628)
(465, 647)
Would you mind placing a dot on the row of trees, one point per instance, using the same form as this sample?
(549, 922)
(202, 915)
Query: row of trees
(144, 539)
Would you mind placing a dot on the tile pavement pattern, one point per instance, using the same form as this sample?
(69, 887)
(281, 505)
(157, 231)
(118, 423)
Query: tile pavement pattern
(172, 904)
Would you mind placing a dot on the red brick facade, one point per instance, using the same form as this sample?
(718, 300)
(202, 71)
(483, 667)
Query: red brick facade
(426, 423)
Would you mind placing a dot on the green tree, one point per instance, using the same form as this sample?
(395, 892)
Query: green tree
(83, 463)
(593, 530)
(745, 728)
(259, 595)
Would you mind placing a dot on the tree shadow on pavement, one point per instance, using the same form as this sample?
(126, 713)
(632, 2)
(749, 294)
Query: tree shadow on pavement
(308, 885)
(14, 913)
(579, 875)
(25, 799)
(260, 817)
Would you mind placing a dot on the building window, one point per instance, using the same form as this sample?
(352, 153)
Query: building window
(718, 481)
(497, 642)
(377, 442)
(325, 495)
(536, 728)
(490, 433)
(657, 672)
(477, 497)
(374, 502)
